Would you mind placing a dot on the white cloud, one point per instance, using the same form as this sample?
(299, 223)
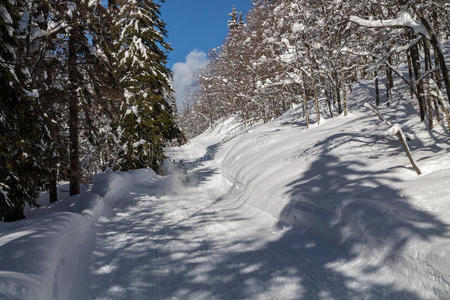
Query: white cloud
(183, 74)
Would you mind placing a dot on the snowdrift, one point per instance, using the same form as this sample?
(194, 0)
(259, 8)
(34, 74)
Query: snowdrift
(46, 256)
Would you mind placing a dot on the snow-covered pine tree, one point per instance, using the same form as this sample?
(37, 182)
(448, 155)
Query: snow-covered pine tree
(147, 123)
(233, 23)
(20, 120)
(39, 29)
(92, 89)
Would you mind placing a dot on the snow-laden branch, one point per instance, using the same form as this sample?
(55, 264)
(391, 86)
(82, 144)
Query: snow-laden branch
(407, 47)
(3, 191)
(404, 19)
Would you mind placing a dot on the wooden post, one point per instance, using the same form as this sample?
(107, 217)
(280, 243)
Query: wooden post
(398, 132)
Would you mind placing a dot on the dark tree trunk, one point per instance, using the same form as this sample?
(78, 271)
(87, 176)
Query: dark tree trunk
(344, 95)
(438, 52)
(73, 117)
(14, 214)
(428, 66)
(436, 108)
(410, 74)
(430, 114)
(388, 88)
(391, 79)
(305, 105)
(377, 89)
(437, 74)
(316, 100)
(329, 102)
(53, 191)
(389, 82)
(426, 51)
(338, 97)
(417, 74)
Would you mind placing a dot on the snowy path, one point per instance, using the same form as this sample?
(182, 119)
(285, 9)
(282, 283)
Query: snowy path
(210, 240)
(196, 244)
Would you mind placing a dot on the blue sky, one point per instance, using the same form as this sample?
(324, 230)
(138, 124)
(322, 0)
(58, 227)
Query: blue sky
(194, 27)
(197, 24)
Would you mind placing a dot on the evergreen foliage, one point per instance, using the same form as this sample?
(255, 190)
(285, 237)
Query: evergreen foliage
(21, 128)
(147, 121)
(70, 74)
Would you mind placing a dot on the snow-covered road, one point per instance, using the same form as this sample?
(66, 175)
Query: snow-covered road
(172, 240)
(195, 242)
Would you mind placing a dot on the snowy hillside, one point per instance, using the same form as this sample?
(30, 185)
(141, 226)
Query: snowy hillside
(348, 185)
(264, 212)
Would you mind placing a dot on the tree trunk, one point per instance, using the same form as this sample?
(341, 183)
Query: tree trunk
(444, 110)
(344, 94)
(415, 59)
(426, 51)
(444, 69)
(329, 102)
(53, 191)
(338, 97)
(430, 113)
(436, 108)
(428, 66)
(437, 74)
(73, 117)
(305, 105)
(388, 89)
(377, 89)
(410, 74)
(389, 83)
(14, 213)
(316, 99)
(437, 51)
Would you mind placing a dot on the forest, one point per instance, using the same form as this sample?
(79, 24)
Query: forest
(85, 86)
(311, 51)
(308, 157)
(84, 89)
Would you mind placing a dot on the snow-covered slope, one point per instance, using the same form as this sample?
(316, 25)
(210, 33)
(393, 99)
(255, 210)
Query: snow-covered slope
(349, 184)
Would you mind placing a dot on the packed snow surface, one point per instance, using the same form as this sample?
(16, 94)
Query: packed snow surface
(272, 211)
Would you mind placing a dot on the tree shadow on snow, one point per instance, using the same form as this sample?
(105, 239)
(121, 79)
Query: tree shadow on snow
(355, 211)
(338, 210)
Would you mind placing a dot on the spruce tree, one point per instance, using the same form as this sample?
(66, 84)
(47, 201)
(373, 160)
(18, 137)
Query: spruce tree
(20, 130)
(147, 123)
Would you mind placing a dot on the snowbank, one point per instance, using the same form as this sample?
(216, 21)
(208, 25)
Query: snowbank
(46, 256)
